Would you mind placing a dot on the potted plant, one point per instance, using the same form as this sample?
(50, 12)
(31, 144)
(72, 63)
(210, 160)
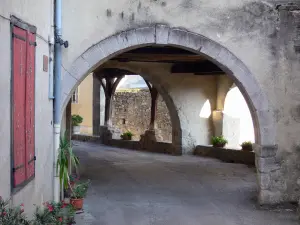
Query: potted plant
(65, 161)
(127, 136)
(247, 146)
(78, 193)
(219, 141)
(76, 121)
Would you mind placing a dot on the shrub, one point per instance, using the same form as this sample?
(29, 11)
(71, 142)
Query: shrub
(218, 141)
(76, 120)
(127, 135)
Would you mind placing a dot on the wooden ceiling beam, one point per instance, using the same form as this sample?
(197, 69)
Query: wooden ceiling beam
(155, 57)
(200, 68)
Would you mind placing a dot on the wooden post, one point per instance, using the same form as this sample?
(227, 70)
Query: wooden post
(96, 105)
(154, 96)
(109, 86)
(69, 121)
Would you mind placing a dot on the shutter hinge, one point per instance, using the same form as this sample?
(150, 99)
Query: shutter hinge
(14, 169)
(33, 43)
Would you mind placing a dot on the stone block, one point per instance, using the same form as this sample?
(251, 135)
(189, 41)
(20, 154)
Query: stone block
(267, 197)
(264, 181)
(162, 34)
(265, 151)
(187, 39)
(79, 68)
(94, 55)
(145, 35)
(110, 46)
(266, 165)
(127, 39)
(69, 82)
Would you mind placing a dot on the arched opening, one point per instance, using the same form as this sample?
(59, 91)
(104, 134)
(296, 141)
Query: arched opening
(237, 123)
(214, 53)
(131, 110)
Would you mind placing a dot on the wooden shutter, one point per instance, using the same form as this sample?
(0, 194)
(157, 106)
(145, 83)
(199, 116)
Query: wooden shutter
(23, 105)
(30, 98)
(19, 79)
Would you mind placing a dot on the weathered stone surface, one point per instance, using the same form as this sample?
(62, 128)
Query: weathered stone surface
(265, 151)
(226, 155)
(131, 112)
(264, 181)
(266, 165)
(267, 197)
(162, 34)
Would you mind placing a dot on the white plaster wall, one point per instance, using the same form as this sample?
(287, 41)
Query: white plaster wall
(39, 14)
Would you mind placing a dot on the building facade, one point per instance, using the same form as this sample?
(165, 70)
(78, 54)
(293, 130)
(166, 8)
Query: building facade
(26, 155)
(256, 43)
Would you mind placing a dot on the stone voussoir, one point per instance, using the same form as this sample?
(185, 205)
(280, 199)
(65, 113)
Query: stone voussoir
(162, 34)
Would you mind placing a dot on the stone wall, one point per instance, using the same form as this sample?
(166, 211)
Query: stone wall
(131, 111)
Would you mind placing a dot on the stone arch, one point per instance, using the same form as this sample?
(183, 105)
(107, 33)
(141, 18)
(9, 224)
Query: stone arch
(164, 35)
(265, 131)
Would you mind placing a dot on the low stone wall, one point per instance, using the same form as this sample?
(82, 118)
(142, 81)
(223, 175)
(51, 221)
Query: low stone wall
(82, 137)
(157, 147)
(226, 155)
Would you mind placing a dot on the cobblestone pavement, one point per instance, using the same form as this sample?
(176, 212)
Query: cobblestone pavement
(135, 188)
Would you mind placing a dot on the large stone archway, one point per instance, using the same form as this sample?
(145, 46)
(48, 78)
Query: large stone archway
(265, 131)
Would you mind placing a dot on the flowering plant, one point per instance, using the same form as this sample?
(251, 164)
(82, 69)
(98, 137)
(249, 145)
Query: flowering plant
(12, 215)
(50, 214)
(59, 213)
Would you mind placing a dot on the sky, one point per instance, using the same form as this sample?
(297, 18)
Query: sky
(132, 81)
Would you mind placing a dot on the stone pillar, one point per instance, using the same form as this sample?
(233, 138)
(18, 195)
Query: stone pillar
(96, 105)
(69, 121)
(270, 183)
(217, 117)
(148, 139)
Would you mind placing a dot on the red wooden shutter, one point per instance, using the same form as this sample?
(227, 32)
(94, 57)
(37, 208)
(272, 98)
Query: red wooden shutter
(19, 79)
(30, 95)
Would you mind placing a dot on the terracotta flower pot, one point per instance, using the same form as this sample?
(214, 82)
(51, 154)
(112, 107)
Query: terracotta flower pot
(77, 203)
(126, 138)
(219, 145)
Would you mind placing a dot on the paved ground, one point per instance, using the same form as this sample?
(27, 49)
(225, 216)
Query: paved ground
(134, 188)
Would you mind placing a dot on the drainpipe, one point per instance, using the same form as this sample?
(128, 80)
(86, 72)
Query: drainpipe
(57, 90)
(57, 87)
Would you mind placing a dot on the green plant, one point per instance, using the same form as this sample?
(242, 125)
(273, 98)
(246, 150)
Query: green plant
(66, 159)
(218, 141)
(80, 190)
(127, 134)
(12, 215)
(76, 120)
(246, 144)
